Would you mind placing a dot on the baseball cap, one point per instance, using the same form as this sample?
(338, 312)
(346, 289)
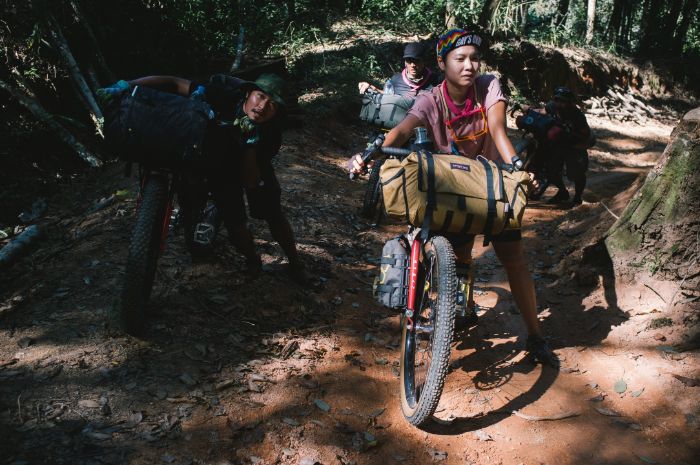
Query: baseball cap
(564, 93)
(415, 50)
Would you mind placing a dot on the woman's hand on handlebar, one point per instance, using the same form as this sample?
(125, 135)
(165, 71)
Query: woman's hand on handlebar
(357, 166)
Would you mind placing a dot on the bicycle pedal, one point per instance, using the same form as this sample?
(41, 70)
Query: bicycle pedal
(204, 233)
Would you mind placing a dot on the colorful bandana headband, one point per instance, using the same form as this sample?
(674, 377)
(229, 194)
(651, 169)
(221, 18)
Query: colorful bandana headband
(454, 39)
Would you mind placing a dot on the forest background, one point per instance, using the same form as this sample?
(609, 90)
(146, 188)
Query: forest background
(55, 54)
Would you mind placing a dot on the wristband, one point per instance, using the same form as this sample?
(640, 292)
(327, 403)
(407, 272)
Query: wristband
(516, 162)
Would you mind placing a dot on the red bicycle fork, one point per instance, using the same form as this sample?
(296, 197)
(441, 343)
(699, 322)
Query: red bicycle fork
(413, 280)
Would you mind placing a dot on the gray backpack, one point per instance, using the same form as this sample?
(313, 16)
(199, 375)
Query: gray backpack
(385, 110)
(390, 287)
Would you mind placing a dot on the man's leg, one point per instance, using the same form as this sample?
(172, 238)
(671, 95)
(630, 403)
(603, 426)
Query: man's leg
(576, 168)
(265, 203)
(282, 232)
(229, 200)
(192, 197)
(555, 169)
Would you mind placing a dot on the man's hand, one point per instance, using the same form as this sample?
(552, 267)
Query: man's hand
(363, 86)
(534, 183)
(106, 95)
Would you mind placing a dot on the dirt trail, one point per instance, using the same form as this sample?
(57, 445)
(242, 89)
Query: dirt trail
(263, 372)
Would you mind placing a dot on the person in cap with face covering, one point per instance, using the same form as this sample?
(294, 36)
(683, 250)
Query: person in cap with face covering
(466, 115)
(416, 76)
(239, 149)
(570, 146)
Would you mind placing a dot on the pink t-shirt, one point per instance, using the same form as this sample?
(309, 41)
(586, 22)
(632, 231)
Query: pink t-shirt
(429, 109)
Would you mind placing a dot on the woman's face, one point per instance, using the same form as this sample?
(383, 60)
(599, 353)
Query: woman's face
(461, 65)
(259, 107)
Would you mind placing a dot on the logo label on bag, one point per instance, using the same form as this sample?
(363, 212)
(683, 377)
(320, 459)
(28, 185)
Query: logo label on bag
(460, 166)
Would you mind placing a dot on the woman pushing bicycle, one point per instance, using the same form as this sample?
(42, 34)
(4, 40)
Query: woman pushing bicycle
(466, 115)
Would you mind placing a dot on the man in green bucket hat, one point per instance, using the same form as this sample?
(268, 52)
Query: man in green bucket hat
(245, 134)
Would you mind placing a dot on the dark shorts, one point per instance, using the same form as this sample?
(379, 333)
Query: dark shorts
(509, 235)
(263, 202)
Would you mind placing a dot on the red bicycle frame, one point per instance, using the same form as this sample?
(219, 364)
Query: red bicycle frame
(416, 247)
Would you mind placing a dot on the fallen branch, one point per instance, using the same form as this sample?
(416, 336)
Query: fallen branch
(610, 211)
(83, 89)
(559, 416)
(19, 245)
(239, 50)
(654, 291)
(50, 121)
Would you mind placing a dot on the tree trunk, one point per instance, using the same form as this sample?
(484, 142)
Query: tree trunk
(690, 12)
(450, 16)
(83, 88)
(524, 7)
(99, 58)
(649, 26)
(660, 228)
(590, 22)
(40, 113)
(613, 31)
(670, 24)
(628, 11)
(488, 11)
(560, 15)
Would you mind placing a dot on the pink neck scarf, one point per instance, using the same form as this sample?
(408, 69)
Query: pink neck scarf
(467, 110)
(420, 84)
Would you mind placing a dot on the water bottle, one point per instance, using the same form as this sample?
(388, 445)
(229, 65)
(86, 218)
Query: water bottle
(422, 141)
(388, 88)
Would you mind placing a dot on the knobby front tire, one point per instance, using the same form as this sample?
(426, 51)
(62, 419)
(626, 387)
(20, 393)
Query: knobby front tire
(144, 250)
(425, 355)
(373, 192)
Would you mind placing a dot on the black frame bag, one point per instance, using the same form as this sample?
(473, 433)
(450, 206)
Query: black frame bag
(390, 286)
(158, 129)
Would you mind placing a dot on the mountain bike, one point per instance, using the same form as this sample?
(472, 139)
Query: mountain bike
(428, 307)
(428, 319)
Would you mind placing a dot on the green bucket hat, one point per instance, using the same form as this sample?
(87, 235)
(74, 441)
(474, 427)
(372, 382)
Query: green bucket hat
(274, 86)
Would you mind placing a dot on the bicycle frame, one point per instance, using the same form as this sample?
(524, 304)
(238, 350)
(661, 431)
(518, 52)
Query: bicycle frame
(416, 248)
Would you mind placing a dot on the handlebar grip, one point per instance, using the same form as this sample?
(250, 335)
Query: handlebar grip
(395, 151)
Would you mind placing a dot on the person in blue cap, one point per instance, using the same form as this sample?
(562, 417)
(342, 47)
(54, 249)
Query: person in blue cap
(414, 78)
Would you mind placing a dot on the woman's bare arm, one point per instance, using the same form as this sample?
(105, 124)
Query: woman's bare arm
(172, 84)
(497, 127)
(402, 132)
(395, 138)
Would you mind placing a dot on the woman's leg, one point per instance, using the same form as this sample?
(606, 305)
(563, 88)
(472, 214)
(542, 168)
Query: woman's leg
(512, 256)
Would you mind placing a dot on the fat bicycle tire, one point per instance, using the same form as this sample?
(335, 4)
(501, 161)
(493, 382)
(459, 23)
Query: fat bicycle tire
(373, 192)
(144, 250)
(436, 310)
